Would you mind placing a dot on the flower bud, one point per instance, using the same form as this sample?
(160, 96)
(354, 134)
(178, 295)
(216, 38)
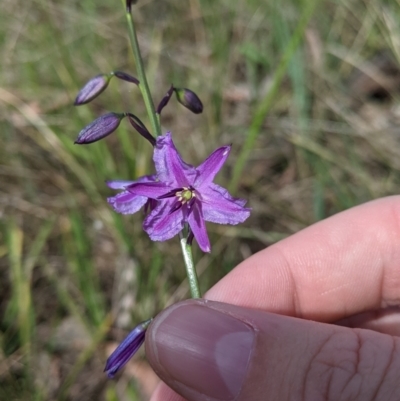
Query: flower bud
(129, 4)
(141, 128)
(189, 99)
(100, 128)
(126, 77)
(165, 99)
(92, 89)
(126, 349)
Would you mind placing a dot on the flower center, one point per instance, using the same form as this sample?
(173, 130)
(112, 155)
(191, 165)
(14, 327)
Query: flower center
(185, 195)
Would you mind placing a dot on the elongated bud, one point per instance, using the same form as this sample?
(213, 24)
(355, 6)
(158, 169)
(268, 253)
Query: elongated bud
(126, 77)
(141, 128)
(100, 128)
(125, 351)
(165, 99)
(92, 89)
(189, 99)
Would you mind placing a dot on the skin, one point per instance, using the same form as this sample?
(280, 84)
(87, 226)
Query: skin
(343, 272)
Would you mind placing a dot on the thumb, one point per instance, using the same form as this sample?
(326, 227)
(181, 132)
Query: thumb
(208, 350)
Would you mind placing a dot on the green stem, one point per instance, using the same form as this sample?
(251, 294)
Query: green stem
(190, 269)
(143, 85)
(268, 101)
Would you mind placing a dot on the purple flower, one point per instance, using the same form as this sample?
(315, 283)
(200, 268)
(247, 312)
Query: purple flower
(127, 202)
(186, 194)
(126, 349)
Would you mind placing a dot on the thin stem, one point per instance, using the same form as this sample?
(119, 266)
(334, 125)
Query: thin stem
(190, 269)
(143, 85)
(268, 101)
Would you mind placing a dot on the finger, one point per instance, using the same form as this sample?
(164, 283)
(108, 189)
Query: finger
(347, 264)
(384, 321)
(214, 351)
(164, 393)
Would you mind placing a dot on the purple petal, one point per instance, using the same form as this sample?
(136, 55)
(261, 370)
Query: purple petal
(92, 89)
(119, 184)
(162, 225)
(169, 164)
(126, 349)
(152, 190)
(126, 202)
(99, 128)
(122, 184)
(198, 227)
(224, 192)
(210, 167)
(218, 209)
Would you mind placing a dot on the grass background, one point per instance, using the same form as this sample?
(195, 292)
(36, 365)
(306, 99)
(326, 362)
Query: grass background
(306, 91)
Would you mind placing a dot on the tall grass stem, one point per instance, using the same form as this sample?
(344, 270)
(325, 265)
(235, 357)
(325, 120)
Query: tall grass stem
(267, 102)
(143, 84)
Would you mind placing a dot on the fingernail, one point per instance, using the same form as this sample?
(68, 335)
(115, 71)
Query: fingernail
(200, 350)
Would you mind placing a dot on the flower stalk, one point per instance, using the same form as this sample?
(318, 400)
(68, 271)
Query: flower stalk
(190, 268)
(143, 84)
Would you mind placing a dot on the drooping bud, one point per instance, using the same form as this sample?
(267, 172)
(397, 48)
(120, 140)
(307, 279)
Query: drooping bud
(125, 351)
(189, 99)
(126, 77)
(141, 128)
(100, 128)
(165, 99)
(129, 4)
(92, 89)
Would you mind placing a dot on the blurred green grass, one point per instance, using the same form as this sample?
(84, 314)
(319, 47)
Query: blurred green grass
(306, 91)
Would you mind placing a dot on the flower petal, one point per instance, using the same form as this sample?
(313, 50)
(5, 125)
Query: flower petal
(210, 167)
(198, 227)
(222, 210)
(169, 164)
(119, 184)
(152, 190)
(161, 224)
(225, 193)
(126, 202)
(122, 184)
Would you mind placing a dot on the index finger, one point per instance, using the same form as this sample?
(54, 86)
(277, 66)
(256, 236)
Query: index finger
(346, 264)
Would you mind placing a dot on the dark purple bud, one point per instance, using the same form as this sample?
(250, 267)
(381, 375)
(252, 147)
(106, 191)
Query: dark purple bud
(126, 77)
(189, 99)
(165, 99)
(92, 89)
(141, 128)
(100, 128)
(129, 4)
(126, 349)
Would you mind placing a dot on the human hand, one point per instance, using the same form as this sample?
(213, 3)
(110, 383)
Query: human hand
(273, 338)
